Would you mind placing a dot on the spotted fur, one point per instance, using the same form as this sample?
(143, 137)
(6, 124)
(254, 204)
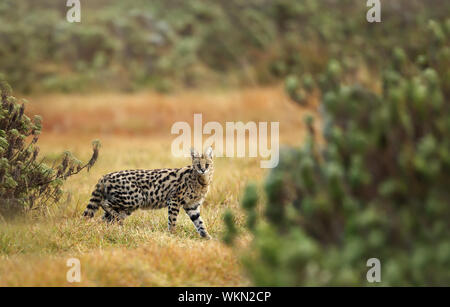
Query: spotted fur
(121, 193)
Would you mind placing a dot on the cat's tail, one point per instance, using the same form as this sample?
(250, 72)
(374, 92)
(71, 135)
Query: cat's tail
(94, 203)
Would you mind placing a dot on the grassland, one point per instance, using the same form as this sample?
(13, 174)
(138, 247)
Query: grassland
(135, 133)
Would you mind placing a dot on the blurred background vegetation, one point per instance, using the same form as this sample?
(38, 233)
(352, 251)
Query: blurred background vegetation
(372, 181)
(167, 44)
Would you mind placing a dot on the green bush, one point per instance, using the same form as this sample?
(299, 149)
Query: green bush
(375, 184)
(26, 182)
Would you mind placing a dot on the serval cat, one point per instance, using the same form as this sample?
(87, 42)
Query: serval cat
(121, 193)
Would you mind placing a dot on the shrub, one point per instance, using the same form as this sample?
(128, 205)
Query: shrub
(26, 182)
(374, 185)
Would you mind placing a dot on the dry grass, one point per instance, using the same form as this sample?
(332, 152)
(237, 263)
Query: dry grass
(135, 133)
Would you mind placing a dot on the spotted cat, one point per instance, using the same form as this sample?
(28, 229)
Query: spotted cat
(121, 193)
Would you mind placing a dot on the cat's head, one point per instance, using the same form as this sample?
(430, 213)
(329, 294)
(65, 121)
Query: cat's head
(202, 163)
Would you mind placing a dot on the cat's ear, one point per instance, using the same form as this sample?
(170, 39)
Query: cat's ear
(209, 152)
(194, 153)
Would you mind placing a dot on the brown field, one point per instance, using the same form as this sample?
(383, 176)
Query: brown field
(134, 130)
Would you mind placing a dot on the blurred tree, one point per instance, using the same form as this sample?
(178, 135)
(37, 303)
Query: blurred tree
(375, 186)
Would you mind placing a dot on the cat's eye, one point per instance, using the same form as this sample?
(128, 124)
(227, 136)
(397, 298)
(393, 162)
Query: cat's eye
(206, 165)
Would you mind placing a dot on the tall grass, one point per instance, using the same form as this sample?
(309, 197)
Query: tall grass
(34, 248)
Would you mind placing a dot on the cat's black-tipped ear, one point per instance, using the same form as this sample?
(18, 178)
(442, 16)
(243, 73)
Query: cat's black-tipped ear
(209, 152)
(194, 153)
